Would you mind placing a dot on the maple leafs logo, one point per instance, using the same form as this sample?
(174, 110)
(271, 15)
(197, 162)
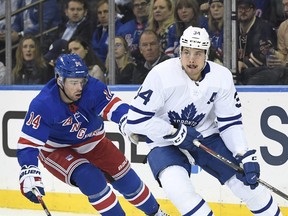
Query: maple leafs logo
(188, 116)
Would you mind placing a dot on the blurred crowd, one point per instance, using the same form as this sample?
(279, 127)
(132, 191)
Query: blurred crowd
(147, 32)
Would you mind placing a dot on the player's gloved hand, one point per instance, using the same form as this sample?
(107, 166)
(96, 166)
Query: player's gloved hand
(183, 137)
(133, 138)
(251, 169)
(30, 178)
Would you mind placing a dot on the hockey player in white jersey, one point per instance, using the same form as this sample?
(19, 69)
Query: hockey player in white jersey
(188, 98)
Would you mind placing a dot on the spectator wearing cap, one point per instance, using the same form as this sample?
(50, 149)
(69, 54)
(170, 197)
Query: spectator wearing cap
(277, 61)
(57, 48)
(277, 71)
(214, 25)
(256, 36)
(257, 44)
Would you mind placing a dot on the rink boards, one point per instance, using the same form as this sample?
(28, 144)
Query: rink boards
(265, 118)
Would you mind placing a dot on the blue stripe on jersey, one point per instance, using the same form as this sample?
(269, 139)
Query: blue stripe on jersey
(231, 118)
(196, 208)
(141, 111)
(229, 125)
(139, 120)
(265, 207)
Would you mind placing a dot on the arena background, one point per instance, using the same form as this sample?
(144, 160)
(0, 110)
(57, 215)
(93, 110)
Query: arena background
(265, 118)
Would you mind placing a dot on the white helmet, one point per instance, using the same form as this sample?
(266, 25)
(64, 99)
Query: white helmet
(195, 37)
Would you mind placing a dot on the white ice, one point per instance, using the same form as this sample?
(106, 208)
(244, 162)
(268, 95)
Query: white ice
(25, 212)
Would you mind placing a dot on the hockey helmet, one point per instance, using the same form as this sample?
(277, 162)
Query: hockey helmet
(70, 66)
(195, 37)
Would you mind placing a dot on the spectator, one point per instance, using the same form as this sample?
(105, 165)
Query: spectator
(277, 61)
(82, 48)
(100, 35)
(77, 23)
(270, 10)
(132, 29)
(214, 25)
(124, 63)
(161, 18)
(256, 36)
(150, 48)
(204, 7)
(27, 22)
(125, 9)
(31, 67)
(186, 14)
(2, 13)
(57, 48)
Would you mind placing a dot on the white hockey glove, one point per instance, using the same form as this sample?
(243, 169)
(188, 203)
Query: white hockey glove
(133, 138)
(251, 169)
(30, 178)
(183, 137)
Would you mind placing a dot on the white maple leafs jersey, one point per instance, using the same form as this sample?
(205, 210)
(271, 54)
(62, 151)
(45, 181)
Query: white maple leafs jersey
(168, 97)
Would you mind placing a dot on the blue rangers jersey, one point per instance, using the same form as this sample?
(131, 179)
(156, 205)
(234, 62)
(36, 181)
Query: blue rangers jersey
(50, 123)
(168, 97)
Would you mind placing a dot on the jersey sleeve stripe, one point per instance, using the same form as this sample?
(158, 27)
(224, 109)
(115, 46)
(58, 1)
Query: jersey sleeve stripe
(231, 118)
(140, 120)
(141, 111)
(229, 125)
(107, 109)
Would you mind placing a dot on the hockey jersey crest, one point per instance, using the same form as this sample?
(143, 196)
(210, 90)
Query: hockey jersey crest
(169, 97)
(50, 123)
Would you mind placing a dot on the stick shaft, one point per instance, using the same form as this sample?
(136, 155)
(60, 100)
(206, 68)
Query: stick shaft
(41, 201)
(237, 168)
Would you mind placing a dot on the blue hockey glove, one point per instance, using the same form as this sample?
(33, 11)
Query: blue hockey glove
(30, 178)
(251, 169)
(184, 136)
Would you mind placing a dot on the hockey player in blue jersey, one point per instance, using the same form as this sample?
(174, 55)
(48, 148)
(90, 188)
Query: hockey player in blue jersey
(64, 129)
(188, 98)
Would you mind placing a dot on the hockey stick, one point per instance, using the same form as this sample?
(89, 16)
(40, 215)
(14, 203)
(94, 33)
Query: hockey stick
(41, 201)
(237, 168)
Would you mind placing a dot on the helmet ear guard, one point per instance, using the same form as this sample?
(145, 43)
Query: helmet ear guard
(195, 37)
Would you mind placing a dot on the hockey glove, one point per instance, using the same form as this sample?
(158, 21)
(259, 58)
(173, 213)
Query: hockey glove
(184, 136)
(133, 138)
(251, 169)
(30, 178)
